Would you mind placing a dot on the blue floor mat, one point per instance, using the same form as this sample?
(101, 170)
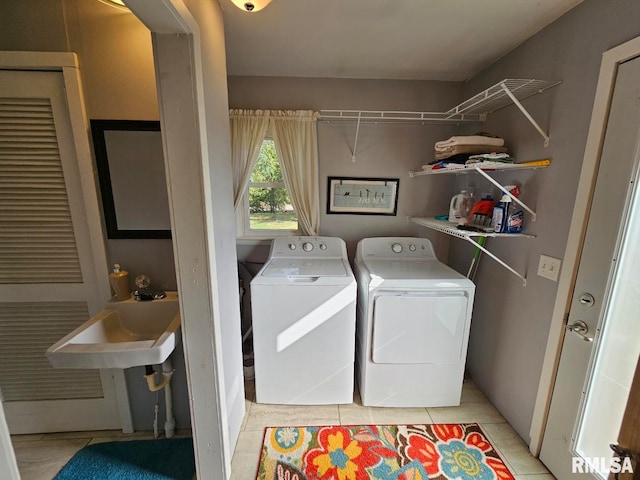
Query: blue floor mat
(167, 459)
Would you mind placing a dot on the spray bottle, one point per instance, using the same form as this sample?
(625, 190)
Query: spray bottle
(501, 211)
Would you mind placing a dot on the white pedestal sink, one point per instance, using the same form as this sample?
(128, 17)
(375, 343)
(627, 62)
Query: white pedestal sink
(125, 334)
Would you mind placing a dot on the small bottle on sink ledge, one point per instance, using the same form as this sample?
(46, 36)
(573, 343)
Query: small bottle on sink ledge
(119, 280)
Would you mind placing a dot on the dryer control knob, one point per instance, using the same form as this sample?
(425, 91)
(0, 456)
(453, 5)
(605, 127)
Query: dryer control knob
(323, 246)
(396, 247)
(292, 246)
(307, 246)
(412, 247)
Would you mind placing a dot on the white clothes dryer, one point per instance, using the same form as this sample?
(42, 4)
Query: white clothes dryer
(303, 304)
(414, 315)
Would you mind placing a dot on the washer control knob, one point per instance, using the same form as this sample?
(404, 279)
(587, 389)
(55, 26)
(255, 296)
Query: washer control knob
(307, 246)
(323, 246)
(412, 247)
(396, 247)
(292, 246)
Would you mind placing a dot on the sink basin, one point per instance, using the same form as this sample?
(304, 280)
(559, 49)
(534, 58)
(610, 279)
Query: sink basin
(125, 334)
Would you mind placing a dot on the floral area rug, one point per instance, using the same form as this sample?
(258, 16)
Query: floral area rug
(382, 452)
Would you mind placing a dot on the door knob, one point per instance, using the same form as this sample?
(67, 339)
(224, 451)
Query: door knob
(579, 328)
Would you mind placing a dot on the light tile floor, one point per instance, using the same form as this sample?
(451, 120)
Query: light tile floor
(40, 457)
(474, 408)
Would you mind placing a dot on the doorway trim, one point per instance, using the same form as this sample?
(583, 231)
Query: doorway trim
(611, 59)
(176, 38)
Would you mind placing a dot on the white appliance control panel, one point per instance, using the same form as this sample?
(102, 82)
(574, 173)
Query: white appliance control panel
(397, 247)
(317, 247)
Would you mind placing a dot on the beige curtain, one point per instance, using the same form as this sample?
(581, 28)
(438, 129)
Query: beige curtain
(248, 129)
(296, 141)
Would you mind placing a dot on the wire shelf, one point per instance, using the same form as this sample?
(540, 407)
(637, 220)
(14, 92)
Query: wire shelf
(474, 109)
(495, 97)
(451, 229)
(473, 168)
(379, 116)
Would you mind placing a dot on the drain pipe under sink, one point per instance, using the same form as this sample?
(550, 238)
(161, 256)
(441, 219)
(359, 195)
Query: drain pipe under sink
(167, 373)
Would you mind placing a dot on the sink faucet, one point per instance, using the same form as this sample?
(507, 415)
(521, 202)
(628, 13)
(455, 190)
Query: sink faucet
(145, 291)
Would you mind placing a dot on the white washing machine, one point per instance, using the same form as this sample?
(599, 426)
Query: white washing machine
(303, 304)
(414, 315)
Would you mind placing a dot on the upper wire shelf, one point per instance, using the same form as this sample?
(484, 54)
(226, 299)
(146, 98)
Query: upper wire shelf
(379, 116)
(496, 97)
(476, 109)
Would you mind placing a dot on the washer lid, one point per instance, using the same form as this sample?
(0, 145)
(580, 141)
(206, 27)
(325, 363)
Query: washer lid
(410, 269)
(308, 267)
(414, 274)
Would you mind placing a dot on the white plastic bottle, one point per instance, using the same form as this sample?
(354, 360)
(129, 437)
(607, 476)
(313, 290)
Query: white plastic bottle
(459, 207)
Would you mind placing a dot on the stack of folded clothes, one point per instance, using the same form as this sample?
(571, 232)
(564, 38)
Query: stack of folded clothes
(484, 158)
(459, 149)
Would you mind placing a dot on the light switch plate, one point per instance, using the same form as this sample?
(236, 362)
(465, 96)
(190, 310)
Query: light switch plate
(549, 267)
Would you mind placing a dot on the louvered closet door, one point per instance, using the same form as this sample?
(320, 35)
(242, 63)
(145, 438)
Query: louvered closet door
(48, 283)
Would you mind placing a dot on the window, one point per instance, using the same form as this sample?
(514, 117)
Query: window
(267, 210)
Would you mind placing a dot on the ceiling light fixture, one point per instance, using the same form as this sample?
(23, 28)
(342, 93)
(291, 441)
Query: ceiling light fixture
(251, 5)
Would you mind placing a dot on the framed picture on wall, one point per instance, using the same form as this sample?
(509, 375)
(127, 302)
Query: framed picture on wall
(362, 196)
(130, 163)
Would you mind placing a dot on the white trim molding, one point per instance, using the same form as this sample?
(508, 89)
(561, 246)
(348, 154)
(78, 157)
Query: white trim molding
(55, 61)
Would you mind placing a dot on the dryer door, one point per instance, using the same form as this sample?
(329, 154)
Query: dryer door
(419, 328)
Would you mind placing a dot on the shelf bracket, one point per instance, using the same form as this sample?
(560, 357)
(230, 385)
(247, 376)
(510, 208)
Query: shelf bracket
(355, 142)
(526, 113)
(512, 270)
(501, 187)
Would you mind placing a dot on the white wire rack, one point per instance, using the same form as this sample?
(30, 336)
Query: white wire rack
(508, 91)
(497, 96)
(475, 109)
(379, 116)
(469, 236)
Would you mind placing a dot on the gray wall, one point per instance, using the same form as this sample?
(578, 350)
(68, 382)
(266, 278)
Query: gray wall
(109, 40)
(383, 150)
(37, 25)
(511, 322)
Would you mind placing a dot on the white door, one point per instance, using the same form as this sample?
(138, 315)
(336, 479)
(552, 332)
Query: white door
(602, 342)
(50, 279)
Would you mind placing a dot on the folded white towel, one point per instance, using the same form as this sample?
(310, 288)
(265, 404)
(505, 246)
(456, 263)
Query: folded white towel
(469, 140)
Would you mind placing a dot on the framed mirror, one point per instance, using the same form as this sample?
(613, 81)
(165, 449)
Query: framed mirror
(132, 178)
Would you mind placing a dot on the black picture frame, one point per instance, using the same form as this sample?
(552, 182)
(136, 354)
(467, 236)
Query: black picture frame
(131, 176)
(362, 196)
